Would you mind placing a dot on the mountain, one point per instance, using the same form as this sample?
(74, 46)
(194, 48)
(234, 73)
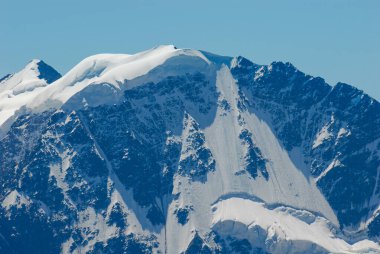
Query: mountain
(183, 151)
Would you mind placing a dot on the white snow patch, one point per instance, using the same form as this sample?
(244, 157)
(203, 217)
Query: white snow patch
(343, 133)
(259, 73)
(333, 164)
(323, 135)
(278, 230)
(15, 199)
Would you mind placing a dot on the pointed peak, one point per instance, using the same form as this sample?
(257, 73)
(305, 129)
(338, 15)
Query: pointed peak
(37, 68)
(35, 74)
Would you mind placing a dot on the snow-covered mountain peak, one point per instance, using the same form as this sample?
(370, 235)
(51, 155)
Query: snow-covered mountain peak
(35, 74)
(19, 88)
(183, 151)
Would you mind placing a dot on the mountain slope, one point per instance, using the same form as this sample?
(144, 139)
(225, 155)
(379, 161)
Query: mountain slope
(183, 151)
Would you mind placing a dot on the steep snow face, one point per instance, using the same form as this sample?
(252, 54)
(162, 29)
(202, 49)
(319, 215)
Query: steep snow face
(181, 151)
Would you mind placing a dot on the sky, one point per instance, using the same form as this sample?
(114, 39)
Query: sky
(338, 40)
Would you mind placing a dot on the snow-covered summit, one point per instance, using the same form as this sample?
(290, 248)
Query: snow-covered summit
(35, 74)
(20, 88)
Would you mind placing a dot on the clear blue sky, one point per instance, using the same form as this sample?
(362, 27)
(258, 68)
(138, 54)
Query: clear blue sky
(338, 40)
